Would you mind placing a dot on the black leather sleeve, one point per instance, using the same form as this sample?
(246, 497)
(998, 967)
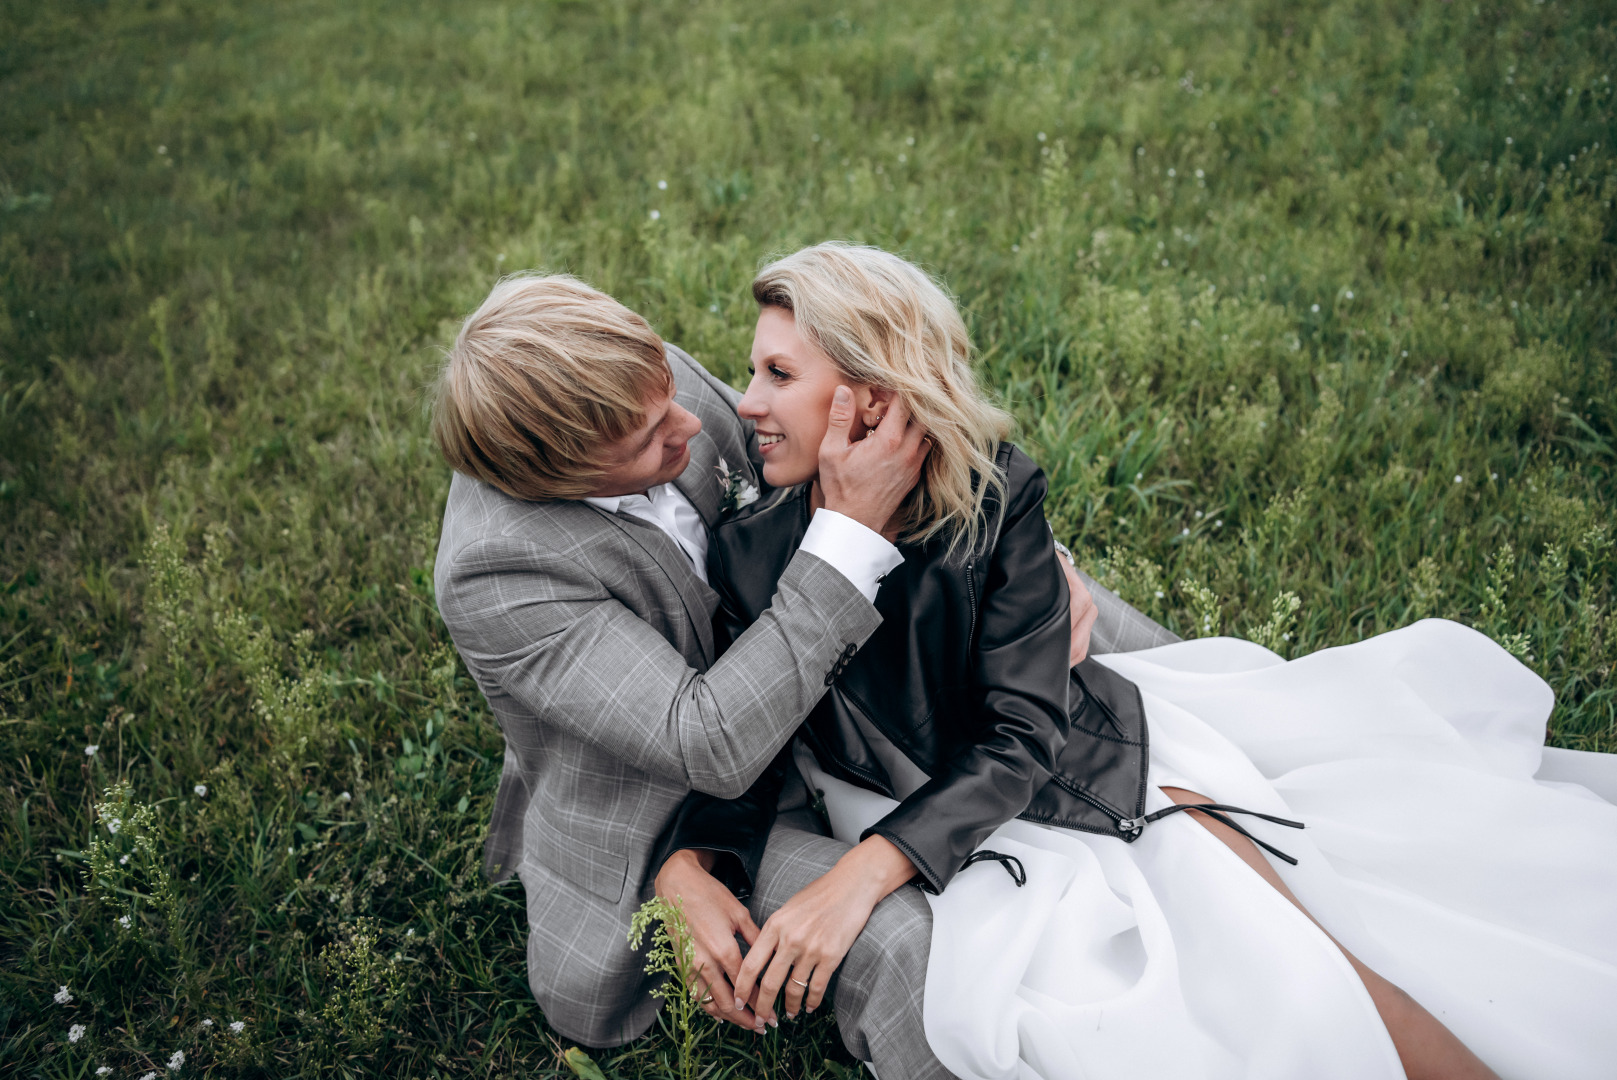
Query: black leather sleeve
(1019, 684)
(734, 829)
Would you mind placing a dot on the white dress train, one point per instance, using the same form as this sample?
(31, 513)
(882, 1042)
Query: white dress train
(1432, 852)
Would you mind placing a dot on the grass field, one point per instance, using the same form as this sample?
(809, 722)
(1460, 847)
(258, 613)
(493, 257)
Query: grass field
(1295, 299)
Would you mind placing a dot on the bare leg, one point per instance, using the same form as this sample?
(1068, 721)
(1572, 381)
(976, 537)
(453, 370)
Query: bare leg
(1426, 1048)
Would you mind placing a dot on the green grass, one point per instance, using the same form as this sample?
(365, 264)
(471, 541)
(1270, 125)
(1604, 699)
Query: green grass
(1301, 298)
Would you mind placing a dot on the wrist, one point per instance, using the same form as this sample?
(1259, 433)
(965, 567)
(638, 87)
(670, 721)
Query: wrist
(874, 868)
(681, 865)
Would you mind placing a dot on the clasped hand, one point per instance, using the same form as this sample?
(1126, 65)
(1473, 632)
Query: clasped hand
(800, 946)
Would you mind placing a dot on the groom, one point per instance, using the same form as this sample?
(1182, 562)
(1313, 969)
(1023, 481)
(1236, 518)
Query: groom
(590, 460)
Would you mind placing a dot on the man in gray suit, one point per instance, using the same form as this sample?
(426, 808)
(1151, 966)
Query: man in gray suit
(590, 461)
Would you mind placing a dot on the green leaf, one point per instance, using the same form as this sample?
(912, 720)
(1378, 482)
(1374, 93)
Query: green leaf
(582, 1066)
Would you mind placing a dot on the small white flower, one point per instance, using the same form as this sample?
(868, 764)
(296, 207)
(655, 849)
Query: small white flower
(1184, 532)
(1316, 309)
(238, 1026)
(1200, 174)
(175, 1060)
(125, 922)
(123, 860)
(1016, 247)
(149, 1076)
(1139, 476)
(1493, 476)
(1219, 524)
(345, 797)
(1350, 294)
(1159, 594)
(201, 790)
(1164, 262)
(208, 1022)
(1404, 353)
(662, 185)
(1285, 636)
(103, 1070)
(89, 751)
(714, 308)
(161, 149)
(1198, 513)
(409, 933)
(1509, 141)
(75, 1033)
(64, 996)
(500, 257)
(114, 824)
(1172, 173)
(655, 214)
(1459, 479)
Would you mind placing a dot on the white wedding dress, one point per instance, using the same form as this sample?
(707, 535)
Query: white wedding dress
(1435, 850)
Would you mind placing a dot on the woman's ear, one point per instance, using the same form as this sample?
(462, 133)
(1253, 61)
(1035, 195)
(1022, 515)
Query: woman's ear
(870, 405)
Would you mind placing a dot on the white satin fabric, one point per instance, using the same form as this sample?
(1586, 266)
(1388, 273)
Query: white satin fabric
(1432, 852)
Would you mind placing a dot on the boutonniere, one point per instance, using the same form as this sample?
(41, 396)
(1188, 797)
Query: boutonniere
(736, 490)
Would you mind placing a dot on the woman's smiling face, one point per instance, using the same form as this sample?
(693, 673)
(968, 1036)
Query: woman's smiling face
(789, 399)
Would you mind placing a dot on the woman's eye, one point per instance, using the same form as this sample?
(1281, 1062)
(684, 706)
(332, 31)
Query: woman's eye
(777, 374)
(751, 371)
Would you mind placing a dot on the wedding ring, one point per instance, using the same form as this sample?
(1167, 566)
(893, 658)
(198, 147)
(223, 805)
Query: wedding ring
(801, 983)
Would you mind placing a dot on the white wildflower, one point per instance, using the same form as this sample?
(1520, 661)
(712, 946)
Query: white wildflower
(89, 751)
(655, 214)
(238, 1026)
(103, 1070)
(64, 996)
(1493, 476)
(75, 1033)
(1315, 309)
(1184, 532)
(149, 1076)
(1200, 175)
(1350, 294)
(662, 185)
(714, 308)
(201, 790)
(125, 922)
(345, 797)
(114, 824)
(1159, 594)
(208, 1023)
(123, 860)
(409, 933)
(1459, 479)
(175, 1060)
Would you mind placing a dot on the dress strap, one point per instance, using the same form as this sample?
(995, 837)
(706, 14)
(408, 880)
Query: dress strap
(1216, 811)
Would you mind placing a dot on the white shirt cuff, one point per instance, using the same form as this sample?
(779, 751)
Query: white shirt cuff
(858, 554)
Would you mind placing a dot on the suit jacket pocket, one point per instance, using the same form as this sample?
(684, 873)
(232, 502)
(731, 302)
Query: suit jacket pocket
(590, 868)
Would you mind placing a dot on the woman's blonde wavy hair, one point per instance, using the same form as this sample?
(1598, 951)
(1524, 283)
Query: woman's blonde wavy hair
(885, 323)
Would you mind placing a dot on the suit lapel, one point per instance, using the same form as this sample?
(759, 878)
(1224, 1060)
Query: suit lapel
(673, 562)
(700, 481)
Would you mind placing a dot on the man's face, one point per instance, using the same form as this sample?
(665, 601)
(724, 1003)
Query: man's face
(654, 453)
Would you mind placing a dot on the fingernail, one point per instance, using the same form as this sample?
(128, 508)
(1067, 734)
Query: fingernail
(791, 1016)
(760, 1027)
(774, 1023)
(843, 395)
(740, 1004)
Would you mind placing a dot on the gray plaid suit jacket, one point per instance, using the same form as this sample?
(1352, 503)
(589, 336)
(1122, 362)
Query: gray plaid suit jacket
(592, 640)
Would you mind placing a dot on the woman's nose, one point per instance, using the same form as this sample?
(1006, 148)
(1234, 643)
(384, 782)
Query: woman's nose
(751, 406)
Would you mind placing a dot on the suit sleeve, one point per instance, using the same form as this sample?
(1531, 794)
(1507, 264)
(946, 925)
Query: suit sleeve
(536, 626)
(736, 830)
(1019, 679)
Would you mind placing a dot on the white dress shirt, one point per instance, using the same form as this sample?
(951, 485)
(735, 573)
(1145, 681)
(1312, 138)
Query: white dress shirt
(861, 555)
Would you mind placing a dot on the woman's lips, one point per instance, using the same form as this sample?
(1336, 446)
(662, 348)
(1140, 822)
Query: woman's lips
(766, 443)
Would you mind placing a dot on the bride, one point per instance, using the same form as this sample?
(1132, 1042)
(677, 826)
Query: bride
(1114, 853)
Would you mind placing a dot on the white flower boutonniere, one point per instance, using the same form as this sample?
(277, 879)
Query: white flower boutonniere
(736, 490)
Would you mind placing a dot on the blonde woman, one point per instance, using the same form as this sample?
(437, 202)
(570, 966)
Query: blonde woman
(1110, 851)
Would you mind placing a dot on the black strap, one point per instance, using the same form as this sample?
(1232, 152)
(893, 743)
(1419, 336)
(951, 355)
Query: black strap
(1217, 812)
(1012, 865)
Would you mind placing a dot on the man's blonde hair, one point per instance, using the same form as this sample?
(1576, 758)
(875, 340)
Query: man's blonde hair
(885, 323)
(541, 377)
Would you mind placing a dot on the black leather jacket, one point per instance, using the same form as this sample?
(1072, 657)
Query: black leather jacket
(967, 676)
